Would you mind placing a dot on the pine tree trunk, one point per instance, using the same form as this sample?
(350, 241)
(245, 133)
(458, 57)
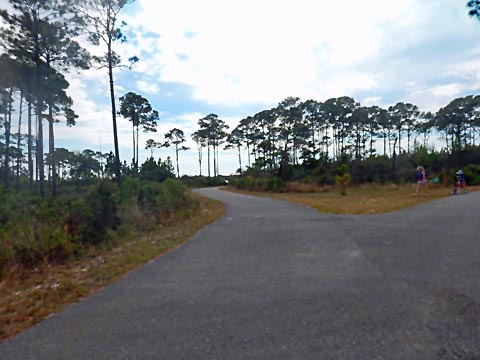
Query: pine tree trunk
(200, 160)
(136, 159)
(399, 142)
(133, 144)
(30, 159)
(118, 174)
(39, 109)
(208, 160)
(240, 159)
(51, 150)
(40, 164)
(214, 161)
(19, 141)
(176, 158)
(8, 123)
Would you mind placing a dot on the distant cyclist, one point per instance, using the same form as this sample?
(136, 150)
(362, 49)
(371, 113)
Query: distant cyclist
(460, 183)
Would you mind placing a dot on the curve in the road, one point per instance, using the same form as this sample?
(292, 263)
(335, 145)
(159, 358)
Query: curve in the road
(275, 280)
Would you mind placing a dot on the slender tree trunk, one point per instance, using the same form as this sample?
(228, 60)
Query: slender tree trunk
(176, 158)
(408, 140)
(458, 135)
(240, 159)
(218, 161)
(399, 142)
(51, 150)
(19, 150)
(335, 143)
(133, 145)
(37, 170)
(208, 151)
(8, 124)
(200, 159)
(214, 160)
(30, 159)
(136, 159)
(389, 142)
(40, 163)
(371, 144)
(39, 110)
(118, 174)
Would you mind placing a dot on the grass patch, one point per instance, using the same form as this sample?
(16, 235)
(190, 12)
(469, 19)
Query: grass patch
(29, 296)
(362, 199)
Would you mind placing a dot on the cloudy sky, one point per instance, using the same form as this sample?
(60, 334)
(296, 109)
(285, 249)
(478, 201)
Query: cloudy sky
(235, 58)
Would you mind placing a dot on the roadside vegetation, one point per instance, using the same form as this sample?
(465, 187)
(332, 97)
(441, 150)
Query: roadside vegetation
(55, 251)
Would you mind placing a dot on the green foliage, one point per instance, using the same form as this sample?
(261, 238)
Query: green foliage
(156, 171)
(203, 181)
(33, 231)
(343, 179)
(272, 184)
(92, 215)
(245, 182)
(374, 169)
(472, 174)
(321, 174)
(34, 235)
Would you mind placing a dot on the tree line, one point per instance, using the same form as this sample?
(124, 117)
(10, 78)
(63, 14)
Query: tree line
(294, 132)
(40, 39)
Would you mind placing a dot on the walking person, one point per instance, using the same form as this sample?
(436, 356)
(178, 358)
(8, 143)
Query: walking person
(421, 180)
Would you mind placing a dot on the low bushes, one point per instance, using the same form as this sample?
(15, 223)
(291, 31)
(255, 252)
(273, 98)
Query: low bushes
(472, 174)
(56, 230)
(272, 184)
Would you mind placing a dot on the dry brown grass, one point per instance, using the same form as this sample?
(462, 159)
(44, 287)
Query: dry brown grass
(363, 199)
(29, 296)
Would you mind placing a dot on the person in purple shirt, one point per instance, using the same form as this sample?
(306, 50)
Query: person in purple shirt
(421, 180)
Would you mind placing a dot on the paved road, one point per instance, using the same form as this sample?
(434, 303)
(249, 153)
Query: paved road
(274, 280)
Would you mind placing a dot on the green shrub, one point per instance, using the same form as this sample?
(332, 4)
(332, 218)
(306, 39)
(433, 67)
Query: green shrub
(34, 231)
(246, 183)
(31, 242)
(276, 185)
(261, 184)
(202, 181)
(172, 197)
(343, 179)
(156, 171)
(472, 174)
(273, 184)
(91, 216)
(163, 199)
(322, 175)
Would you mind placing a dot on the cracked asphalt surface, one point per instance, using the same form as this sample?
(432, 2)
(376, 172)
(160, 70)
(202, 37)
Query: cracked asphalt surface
(276, 280)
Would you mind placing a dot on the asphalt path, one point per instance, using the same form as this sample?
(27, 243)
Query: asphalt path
(276, 280)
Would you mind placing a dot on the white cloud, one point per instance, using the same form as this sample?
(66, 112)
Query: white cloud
(263, 51)
(147, 87)
(371, 100)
